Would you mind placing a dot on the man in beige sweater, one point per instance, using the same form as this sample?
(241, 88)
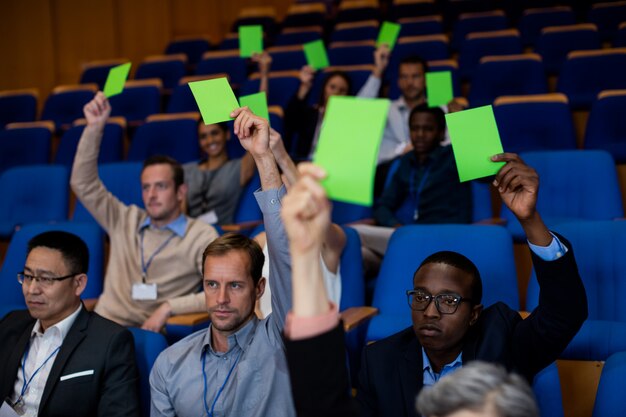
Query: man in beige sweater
(155, 260)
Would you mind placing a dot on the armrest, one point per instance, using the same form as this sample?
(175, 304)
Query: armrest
(239, 227)
(524, 314)
(90, 303)
(191, 319)
(355, 316)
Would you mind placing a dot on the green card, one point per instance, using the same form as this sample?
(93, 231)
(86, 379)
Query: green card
(475, 139)
(215, 99)
(388, 34)
(348, 147)
(257, 103)
(250, 40)
(116, 79)
(439, 88)
(315, 53)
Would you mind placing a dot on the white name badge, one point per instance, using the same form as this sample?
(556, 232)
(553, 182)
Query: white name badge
(144, 292)
(7, 411)
(209, 217)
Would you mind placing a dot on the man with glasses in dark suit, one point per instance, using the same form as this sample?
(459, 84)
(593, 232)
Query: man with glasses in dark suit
(57, 358)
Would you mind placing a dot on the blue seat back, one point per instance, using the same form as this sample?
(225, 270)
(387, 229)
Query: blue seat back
(36, 193)
(24, 146)
(148, 346)
(169, 72)
(607, 17)
(473, 49)
(476, 23)
(610, 395)
(553, 46)
(182, 100)
(287, 58)
(533, 20)
(350, 55)
(489, 247)
(193, 48)
(574, 185)
(506, 77)
(599, 247)
(422, 27)
(359, 33)
(123, 180)
(175, 138)
(297, 38)
(97, 74)
(111, 147)
(344, 213)
(247, 207)
(547, 389)
(606, 126)
(17, 108)
(231, 64)
(535, 125)
(15, 259)
(583, 77)
(136, 103)
(65, 107)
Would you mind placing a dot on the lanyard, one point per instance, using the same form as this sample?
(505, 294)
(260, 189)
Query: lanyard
(146, 265)
(416, 192)
(25, 384)
(219, 392)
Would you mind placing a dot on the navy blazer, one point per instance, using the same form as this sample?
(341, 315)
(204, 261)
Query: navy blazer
(391, 373)
(92, 343)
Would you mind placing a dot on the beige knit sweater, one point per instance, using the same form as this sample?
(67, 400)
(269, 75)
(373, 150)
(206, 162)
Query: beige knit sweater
(176, 269)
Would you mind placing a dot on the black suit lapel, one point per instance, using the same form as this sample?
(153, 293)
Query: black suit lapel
(411, 375)
(15, 359)
(71, 341)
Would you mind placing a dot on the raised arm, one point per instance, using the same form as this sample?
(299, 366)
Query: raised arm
(264, 60)
(372, 86)
(85, 181)
(518, 185)
(306, 82)
(540, 338)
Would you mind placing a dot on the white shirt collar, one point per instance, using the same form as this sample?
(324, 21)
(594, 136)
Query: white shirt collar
(63, 327)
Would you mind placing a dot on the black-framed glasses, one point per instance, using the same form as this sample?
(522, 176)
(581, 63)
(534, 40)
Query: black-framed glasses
(27, 279)
(419, 300)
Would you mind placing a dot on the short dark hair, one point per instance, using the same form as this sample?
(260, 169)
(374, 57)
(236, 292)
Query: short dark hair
(329, 76)
(177, 169)
(438, 114)
(73, 249)
(461, 262)
(414, 59)
(235, 242)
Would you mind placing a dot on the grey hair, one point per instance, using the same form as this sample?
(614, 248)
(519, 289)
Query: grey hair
(479, 386)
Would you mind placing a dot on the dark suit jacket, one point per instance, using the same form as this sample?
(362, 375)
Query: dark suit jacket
(92, 342)
(319, 375)
(392, 370)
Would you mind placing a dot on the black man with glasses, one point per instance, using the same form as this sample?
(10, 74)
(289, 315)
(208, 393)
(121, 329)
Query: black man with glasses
(451, 327)
(57, 358)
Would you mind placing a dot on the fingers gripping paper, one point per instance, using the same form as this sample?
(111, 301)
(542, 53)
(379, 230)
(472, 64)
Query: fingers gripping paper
(215, 99)
(475, 138)
(348, 147)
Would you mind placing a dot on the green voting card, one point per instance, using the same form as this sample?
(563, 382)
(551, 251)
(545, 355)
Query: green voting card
(439, 88)
(250, 40)
(475, 139)
(388, 34)
(215, 99)
(348, 147)
(257, 103)
(315, 53)
(115, 80)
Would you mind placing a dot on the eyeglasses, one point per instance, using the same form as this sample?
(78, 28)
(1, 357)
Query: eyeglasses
(446, 303)
(23, 278)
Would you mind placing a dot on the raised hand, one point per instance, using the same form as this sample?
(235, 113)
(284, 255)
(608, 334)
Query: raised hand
(381, 59)
(306, 211)
(306, 81)
(518, 185)
(97, 111)
(264, 60)
(252, 131)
